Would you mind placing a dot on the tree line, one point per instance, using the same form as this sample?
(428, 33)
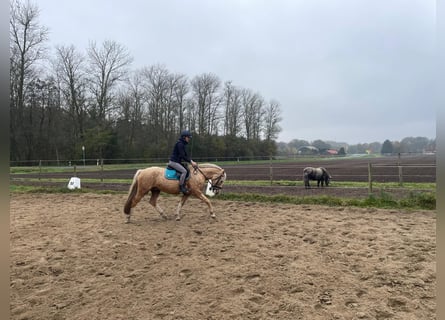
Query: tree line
(69, 101)
(406, 145)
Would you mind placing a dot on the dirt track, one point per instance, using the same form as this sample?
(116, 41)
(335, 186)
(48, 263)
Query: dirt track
(72, 257)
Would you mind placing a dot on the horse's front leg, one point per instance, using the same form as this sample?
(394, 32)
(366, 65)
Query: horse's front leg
(202, 197)
(180, 204)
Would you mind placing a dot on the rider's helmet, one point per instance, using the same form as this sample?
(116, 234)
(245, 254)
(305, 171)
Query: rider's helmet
(186, 133)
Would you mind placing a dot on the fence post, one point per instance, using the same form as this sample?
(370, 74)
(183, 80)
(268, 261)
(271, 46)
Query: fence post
(400, 176)
(75, 170)
(101, 170)
(369, 178)
(271, 170)
(40, 169)
(400, 170)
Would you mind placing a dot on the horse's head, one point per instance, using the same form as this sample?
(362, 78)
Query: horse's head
(327, 176)
(327, 180)
(215, 176)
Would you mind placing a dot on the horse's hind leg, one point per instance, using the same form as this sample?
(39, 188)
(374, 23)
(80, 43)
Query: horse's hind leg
(136, 199)
(180, 204)
(154, 203)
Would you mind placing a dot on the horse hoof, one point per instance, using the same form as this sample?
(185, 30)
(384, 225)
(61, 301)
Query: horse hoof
(213, 216)
(178, 218)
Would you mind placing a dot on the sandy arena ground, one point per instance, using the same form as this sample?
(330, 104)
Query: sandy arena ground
(73, 257)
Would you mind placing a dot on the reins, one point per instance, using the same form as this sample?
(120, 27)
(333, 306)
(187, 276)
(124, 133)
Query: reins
(213, 185)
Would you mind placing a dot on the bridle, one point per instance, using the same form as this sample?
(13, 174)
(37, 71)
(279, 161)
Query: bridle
(213, 185)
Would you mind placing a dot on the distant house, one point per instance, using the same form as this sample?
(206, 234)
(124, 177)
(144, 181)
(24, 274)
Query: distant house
(308, 150)
(331, 152)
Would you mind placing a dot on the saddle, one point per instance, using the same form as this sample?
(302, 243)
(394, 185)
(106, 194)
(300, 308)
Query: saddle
(172, 174)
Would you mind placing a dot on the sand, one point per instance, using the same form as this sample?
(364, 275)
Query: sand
(73, 257)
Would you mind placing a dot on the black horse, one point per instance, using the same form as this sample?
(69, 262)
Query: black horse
(320, 174)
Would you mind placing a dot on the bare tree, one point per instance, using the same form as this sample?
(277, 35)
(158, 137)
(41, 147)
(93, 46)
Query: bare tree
(180, 88)
(232, 105)
(253, 112)
(27, 39)
(272, 117)
(135, 92)
(205, 92)
(44, 109)
(131, 105)
(157, 82)
(109, 65)
(71, 71)
(177, 89)
(190, 116)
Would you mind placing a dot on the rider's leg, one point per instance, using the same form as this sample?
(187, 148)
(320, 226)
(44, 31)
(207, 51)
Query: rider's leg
(182, 182)
(183, 171)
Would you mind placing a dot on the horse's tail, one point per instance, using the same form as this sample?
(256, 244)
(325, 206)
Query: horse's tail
(131, 193)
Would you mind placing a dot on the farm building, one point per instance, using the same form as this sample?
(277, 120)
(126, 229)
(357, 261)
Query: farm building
(308, 150)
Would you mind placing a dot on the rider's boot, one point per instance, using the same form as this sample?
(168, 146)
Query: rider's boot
(183, 188)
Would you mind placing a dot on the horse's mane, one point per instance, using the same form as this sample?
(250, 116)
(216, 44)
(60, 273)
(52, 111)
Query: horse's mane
(209, 165)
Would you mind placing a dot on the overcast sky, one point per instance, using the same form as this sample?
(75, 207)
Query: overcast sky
(350, 71)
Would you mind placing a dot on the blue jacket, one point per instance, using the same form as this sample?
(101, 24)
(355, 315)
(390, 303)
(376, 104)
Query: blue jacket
(179, 152)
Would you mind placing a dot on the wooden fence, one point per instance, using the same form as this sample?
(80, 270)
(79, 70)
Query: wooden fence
(417, 168)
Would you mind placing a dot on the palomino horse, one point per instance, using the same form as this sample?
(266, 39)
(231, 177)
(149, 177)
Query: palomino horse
(153, 179)
(319, 174)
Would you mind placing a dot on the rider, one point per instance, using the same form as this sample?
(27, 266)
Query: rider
(179, 155)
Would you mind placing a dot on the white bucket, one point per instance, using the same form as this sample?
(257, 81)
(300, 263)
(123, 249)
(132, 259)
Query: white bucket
(209, 191)
(74, 183)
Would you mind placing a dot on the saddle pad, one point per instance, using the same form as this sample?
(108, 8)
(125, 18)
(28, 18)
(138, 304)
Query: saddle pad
(171, 174)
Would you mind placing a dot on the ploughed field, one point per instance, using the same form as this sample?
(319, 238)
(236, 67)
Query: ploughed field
(414, 168)
(419, 168)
